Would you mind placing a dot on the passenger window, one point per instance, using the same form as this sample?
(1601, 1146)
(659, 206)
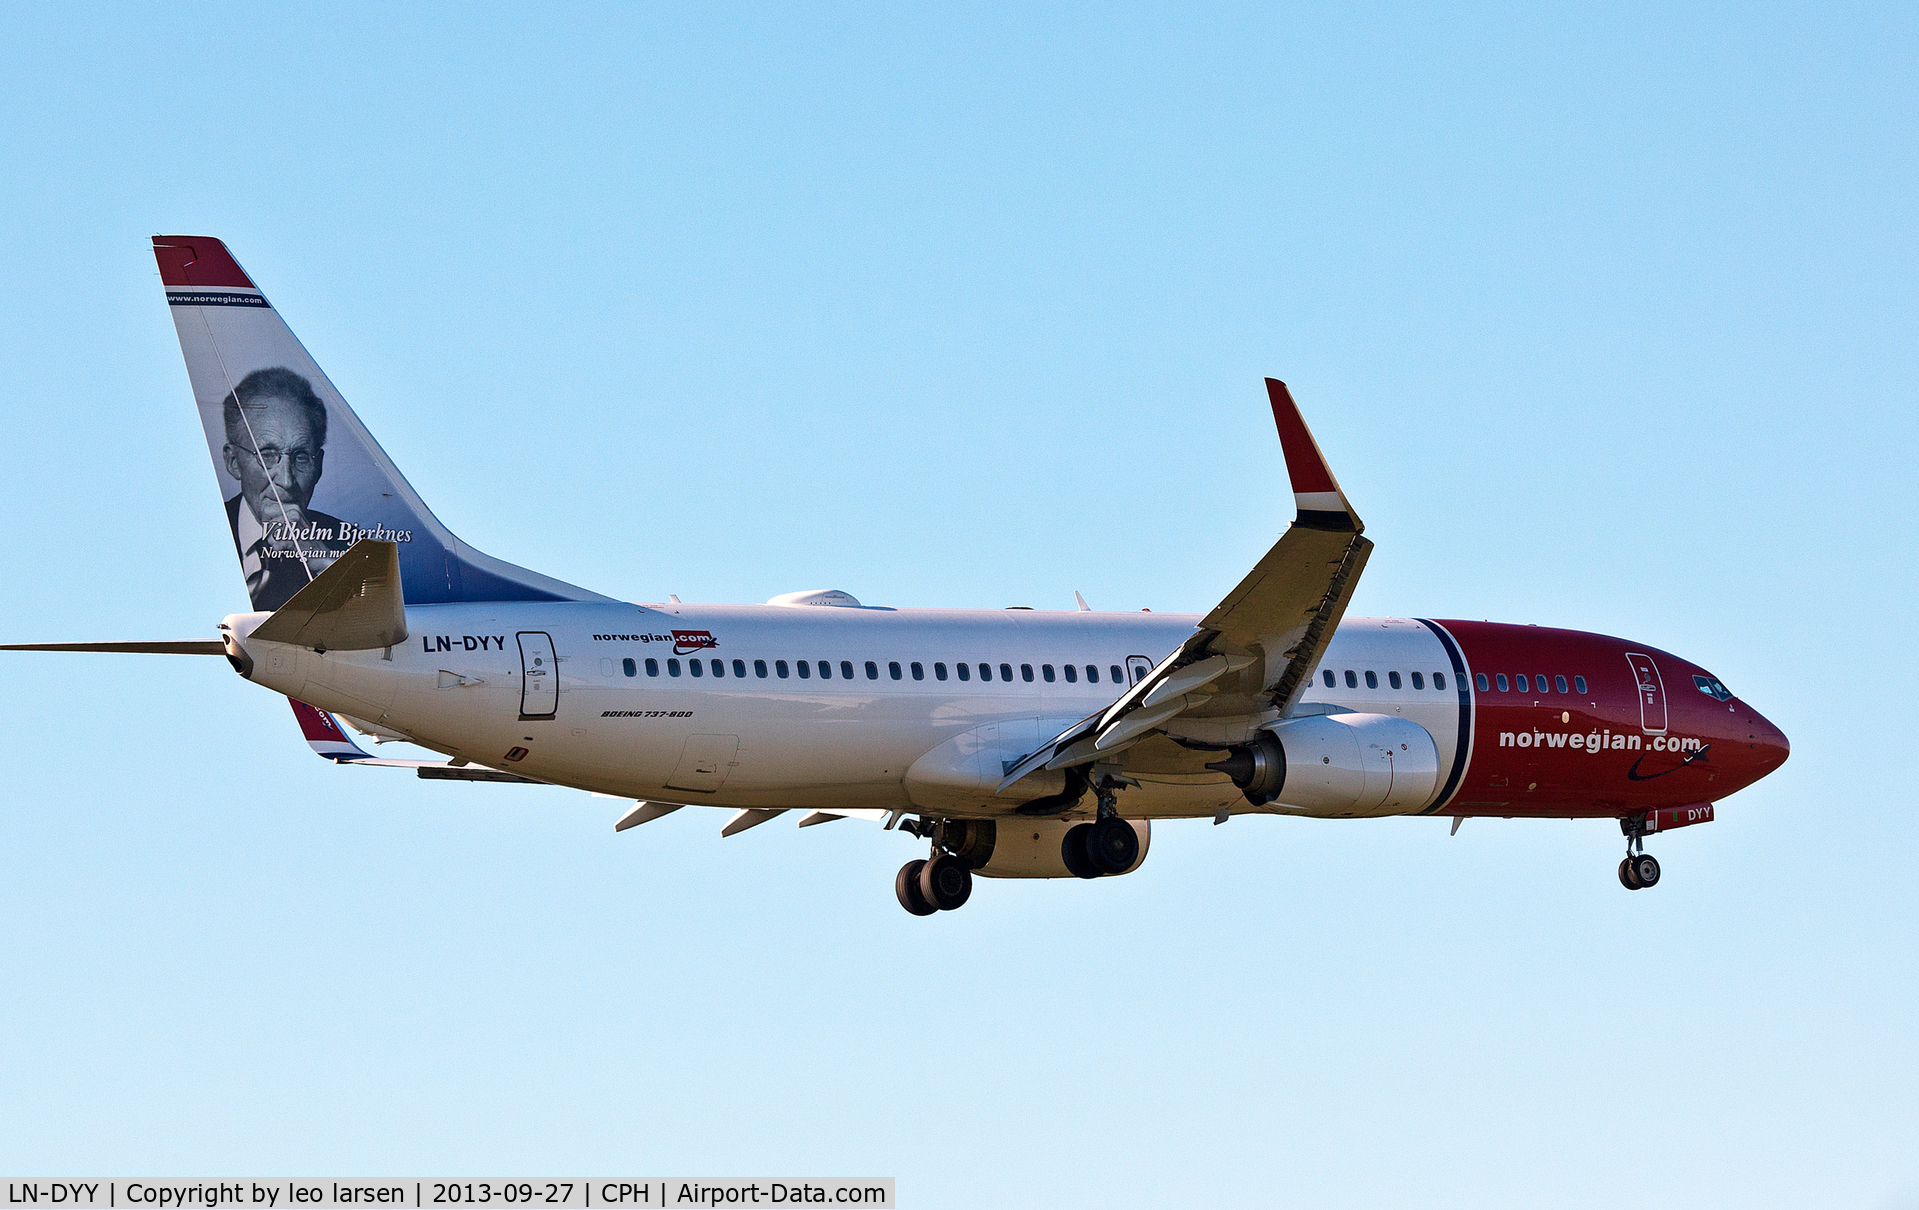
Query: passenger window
(1046, 670)
(672, 668)
(779, 668)
(893, 670)
(1540, 683)
(846, 670)
(1559, 683)
(1025, 671)
(1072, 674)
(1372, 679)
(1006, 672)
(1480, 680)
(826, 670)
(919, 671)
(719, 667)
(804, 669)
(939, 671)
(1092, 674)
(985, 672)
(1419, 682)
(1331, 681)
(696, 667)
(629, 667)
(1119, 678)
(1392, 678)
(652, 667)
(872, 670)
(1579, 683)
(759, 669)
(1352, 679)
(1519, 678)
(1500, 679)
(1439, 680)
(965, 671)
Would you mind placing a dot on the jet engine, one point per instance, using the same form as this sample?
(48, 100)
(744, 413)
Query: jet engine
(1338, 765)
(1026, 848)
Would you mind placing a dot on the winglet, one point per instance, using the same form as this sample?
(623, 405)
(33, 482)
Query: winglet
(1316, 493)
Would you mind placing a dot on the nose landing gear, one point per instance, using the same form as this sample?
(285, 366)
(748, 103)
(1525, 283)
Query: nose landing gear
(1636, 873)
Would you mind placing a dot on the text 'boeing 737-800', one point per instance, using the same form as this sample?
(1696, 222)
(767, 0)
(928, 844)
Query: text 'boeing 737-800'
(1016, 743)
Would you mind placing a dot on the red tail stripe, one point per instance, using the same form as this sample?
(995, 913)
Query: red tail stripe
(198, 260)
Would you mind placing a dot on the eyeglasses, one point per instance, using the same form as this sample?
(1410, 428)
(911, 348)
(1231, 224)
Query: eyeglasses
(270, 456)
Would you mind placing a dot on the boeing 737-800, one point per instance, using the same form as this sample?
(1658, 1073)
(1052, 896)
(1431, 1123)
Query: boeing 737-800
(1014, 743)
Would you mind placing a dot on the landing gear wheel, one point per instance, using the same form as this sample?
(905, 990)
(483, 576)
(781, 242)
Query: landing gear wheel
(1072, 851)
(907, 886)
(1645, 870)
(945, 882)
(1625, 874)
(1112, 846)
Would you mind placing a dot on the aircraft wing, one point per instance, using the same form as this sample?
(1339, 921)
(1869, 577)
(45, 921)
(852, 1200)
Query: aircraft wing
(1250, 657)
(330, 740)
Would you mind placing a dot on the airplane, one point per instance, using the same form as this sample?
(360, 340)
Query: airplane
(1015, 743)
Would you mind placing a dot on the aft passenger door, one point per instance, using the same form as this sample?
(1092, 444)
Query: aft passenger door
(1652, 693)
(539, 675)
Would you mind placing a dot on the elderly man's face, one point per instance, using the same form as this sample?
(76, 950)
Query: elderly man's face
(281, 435)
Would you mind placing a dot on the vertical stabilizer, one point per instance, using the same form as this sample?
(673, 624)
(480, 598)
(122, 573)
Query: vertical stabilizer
(302, 478)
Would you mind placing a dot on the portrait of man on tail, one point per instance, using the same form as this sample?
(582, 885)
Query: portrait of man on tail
(276, 429)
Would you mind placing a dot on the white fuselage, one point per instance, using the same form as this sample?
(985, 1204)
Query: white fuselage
(631, 718)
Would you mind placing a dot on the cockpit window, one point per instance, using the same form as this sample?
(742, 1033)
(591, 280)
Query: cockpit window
(1710, 686)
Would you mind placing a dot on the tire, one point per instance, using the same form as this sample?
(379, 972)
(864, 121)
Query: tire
(1112, 846)
(945, 882)
(1072, 851)
(906, 884)
(1645, 870)
(1625, 874)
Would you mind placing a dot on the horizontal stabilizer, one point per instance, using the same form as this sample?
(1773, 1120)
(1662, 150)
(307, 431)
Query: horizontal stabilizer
(354, 605)
(184, 647)
(432, 772)
(327, 738)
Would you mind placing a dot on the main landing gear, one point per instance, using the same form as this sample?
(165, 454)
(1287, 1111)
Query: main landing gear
(1108, 845)
(939, 883)
(1636, 873)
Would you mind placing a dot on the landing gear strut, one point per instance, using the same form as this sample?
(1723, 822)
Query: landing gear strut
(1637, 872)
(1108, 845)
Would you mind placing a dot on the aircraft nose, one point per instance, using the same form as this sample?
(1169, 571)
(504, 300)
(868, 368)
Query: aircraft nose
(1767, 744)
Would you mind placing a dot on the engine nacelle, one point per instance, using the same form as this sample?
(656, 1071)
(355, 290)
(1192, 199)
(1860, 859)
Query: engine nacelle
(1023, 848)
(1338, 764)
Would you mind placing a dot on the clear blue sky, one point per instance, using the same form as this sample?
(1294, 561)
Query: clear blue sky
(1603, 314)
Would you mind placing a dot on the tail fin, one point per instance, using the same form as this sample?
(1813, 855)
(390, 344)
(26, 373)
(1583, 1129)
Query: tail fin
(301, 476)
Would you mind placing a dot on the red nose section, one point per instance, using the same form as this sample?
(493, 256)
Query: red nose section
(1767, 744)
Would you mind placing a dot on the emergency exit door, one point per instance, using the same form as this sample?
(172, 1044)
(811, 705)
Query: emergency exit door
(1652, 693)
(539, 675)
(1137, 666)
